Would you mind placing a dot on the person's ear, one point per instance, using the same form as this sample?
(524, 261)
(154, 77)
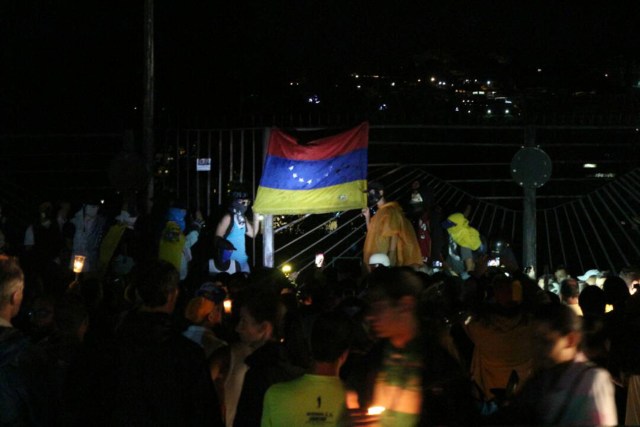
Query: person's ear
(173, 295)
(267, 329)
(14, 297)
(573, 339)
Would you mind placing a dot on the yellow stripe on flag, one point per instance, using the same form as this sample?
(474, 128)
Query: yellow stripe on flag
(341, 197)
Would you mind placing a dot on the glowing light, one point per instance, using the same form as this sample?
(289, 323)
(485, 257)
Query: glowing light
(506, 111)
(78, 263)
(375, 410)
(539, 70)
(393, 84)
(433, 79)
(227, 304)
(287, 269)
(488, 111)
(590, 166)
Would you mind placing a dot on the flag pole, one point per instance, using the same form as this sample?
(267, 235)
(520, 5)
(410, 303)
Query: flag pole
(267, 221)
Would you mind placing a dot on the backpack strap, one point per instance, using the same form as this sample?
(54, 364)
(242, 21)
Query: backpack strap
(569, 395)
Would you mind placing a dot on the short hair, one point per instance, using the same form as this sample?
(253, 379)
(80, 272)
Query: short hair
(557, 317)
(569, 288)
(198, 309)
(11, 278)
(615, 290)
(394, 283)
(592, 301)
(331, 335)
(154, 281)
(264, 305)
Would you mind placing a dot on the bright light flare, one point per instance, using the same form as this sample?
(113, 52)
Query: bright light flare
(375, 410)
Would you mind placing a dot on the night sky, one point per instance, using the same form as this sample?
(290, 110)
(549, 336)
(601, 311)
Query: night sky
(78, 64)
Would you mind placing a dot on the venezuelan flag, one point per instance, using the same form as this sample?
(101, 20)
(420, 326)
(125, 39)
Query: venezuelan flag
(325, 175)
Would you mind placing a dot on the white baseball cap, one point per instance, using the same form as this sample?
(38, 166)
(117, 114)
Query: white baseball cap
(590, 273)
(379, 258)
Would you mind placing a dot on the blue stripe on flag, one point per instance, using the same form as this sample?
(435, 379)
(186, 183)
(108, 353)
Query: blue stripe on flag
(286, 174)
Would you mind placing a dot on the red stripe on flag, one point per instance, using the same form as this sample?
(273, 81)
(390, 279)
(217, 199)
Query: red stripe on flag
(286, 146)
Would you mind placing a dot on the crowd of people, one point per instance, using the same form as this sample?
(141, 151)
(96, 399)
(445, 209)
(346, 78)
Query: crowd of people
(166, 323)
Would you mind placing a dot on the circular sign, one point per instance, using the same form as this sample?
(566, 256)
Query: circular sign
(531, 167)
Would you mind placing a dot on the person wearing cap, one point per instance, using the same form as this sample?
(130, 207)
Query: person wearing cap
(204, 311)
(231, 231)
(463, 241)
(389, 232)
(589, 278)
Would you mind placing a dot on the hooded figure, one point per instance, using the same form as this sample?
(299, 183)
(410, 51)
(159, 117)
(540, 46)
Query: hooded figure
(389, 232)
(230, 240)
(175, 246)
(463, 241)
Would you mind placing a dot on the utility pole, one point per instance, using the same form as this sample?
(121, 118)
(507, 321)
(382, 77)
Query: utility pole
(530, 169)
(148, 145)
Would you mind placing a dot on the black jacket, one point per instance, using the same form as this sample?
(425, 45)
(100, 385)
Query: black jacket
(267, 365)
(160, 377)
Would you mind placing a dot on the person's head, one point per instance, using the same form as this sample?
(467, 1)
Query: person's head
(556, 334)
(592, 301)
(375, 193)
(91, 208)
(569, 290)
(560, 273)
(331, 335)
(616, 291)
(178, 214)
(590, 276)
(45, 211)
(156, 285)
(461, 232)
(238, 198)
(11, 287)
(205, 308)
(631, 276)
(261, 315)
(506, 291)
(393, 296)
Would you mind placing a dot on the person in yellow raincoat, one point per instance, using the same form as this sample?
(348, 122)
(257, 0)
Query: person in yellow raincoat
(388, 231)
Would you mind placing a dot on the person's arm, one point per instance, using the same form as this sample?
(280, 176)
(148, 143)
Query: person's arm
(367, 216)
(393, 251)
(253, 228)
(223, 225)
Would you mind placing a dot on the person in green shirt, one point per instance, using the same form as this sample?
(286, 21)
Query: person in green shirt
(318, 398)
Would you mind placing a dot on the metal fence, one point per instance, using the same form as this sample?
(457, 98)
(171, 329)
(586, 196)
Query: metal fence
(582, 222)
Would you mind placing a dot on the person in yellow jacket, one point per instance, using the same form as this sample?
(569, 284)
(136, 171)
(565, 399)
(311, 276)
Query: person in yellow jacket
(389, 231)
